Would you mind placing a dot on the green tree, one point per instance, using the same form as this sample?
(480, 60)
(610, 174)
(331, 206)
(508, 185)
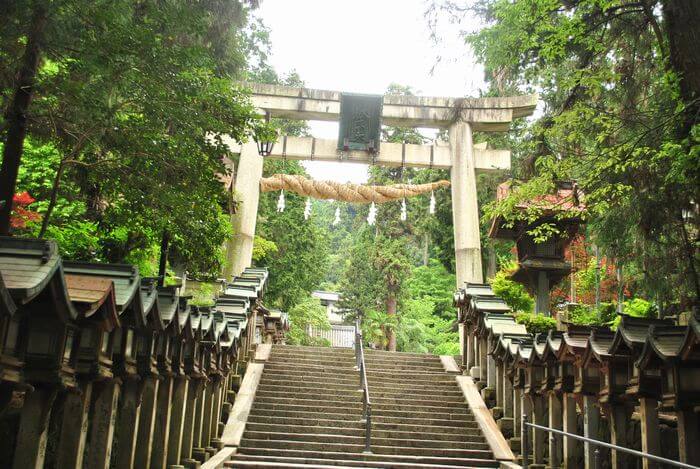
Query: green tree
(307, 313)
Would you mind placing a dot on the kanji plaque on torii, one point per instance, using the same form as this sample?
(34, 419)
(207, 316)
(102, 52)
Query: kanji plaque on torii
(461, 116)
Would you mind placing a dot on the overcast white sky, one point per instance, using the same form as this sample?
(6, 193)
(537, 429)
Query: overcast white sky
(363, 46)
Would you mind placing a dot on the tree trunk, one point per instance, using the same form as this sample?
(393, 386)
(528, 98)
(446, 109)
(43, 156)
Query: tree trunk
(391, 303)
(426, 246)
(492, 267)
(682, 18)
(16, 116)
(162, 265)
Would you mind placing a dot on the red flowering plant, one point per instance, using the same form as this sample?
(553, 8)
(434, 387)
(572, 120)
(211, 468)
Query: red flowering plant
(21, 215)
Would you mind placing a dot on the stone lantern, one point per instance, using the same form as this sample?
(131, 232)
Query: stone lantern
(542, 264)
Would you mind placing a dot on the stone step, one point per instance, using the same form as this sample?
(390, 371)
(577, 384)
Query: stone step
(360, 440)
(345, 375)
(326, 351)
(282, 387)
(251, 443)
(434, 366)
(285, 398)
(376, 397)
(447, 413)
(464, 435)
(256, 461)
(344, 458)
(433, 426)
(306, 384)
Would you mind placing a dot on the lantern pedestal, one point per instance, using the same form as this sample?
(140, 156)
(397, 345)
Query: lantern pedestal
(146, 421)
(161, 427)
(33, 428)
(651, 437)
(188, 429)
(572, 447)
(591, 422)
(74, 427)
(102, 430)
(177, 421)
(688, 436)
(620, 417)
(555, 421)
(128, 420)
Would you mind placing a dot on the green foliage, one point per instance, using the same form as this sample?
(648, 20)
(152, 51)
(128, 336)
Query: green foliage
(435, 284)
(307, 313)
(536, 323)
(202, 293)
(263, 248)
(639, 308)
(129, 101)
(619, 116)
(513, 293)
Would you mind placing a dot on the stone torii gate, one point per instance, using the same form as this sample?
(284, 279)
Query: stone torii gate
(461, 116)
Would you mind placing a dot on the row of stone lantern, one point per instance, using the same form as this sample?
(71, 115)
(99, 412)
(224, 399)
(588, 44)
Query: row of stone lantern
(637, 387)
(101, 368)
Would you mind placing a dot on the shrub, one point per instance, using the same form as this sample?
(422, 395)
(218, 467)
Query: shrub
(513, 293)
(536, 323)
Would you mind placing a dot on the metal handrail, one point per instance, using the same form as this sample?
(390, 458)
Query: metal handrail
(596, 458)
(364, 386)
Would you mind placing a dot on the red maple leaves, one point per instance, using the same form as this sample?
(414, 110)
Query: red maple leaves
(21, 215)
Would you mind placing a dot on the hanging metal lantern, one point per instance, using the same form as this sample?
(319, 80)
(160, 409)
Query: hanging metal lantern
(265, 136)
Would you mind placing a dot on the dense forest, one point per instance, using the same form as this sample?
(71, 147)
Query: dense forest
(110, 111)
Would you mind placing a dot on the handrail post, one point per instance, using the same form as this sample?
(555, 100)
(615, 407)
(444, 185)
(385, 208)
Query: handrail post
(368, 427)
(525, 443)
(596, 458)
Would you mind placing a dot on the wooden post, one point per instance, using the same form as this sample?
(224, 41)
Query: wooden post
(591, 422)
(688, 436)
(74, 427)
(188, 431)
(208, 417)
(470, 347)
(144, 442)
(161, 427)
(572, 447)
(177, 420)
(517, 412)
(499, 384)
(619, 426)
(651, 438)
(555, 421)
(106, 395)
(33, 429)
(129, 417)
(216, 413)
(465, 209)
(240, 251)
(507, 422)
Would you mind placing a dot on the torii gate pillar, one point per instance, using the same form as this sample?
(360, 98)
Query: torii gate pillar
(465, 209)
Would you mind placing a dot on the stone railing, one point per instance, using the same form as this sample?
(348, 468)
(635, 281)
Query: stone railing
(100, 367)
(636, 387)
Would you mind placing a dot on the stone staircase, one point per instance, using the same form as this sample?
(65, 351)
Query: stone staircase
(307, 413)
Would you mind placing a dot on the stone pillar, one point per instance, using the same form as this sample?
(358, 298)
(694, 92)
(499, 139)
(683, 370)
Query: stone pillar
(188, 430)
(688, 437)
(147, 417)
(490, 368)
(216, 414)
(461, 328)
(128, 421)
(240, 250)
(498, 381)
(465, 209)
(177, 420)
(555, 421)
(651, 437)
(103, 420)
(197, 448)
(517, 412)
(483, 360)
(539, 417)
(475, 370)
(591, 422)
(74, 427)
(470, 348)
(208, 417)
(161, 427)
(33, 429)
(619, 426)
(542, 297)
(572, 447)
(526, 409)
(506, 423)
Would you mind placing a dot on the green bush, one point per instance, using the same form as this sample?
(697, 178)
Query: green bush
(513, 293)
(308, 312)
(536, 323)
